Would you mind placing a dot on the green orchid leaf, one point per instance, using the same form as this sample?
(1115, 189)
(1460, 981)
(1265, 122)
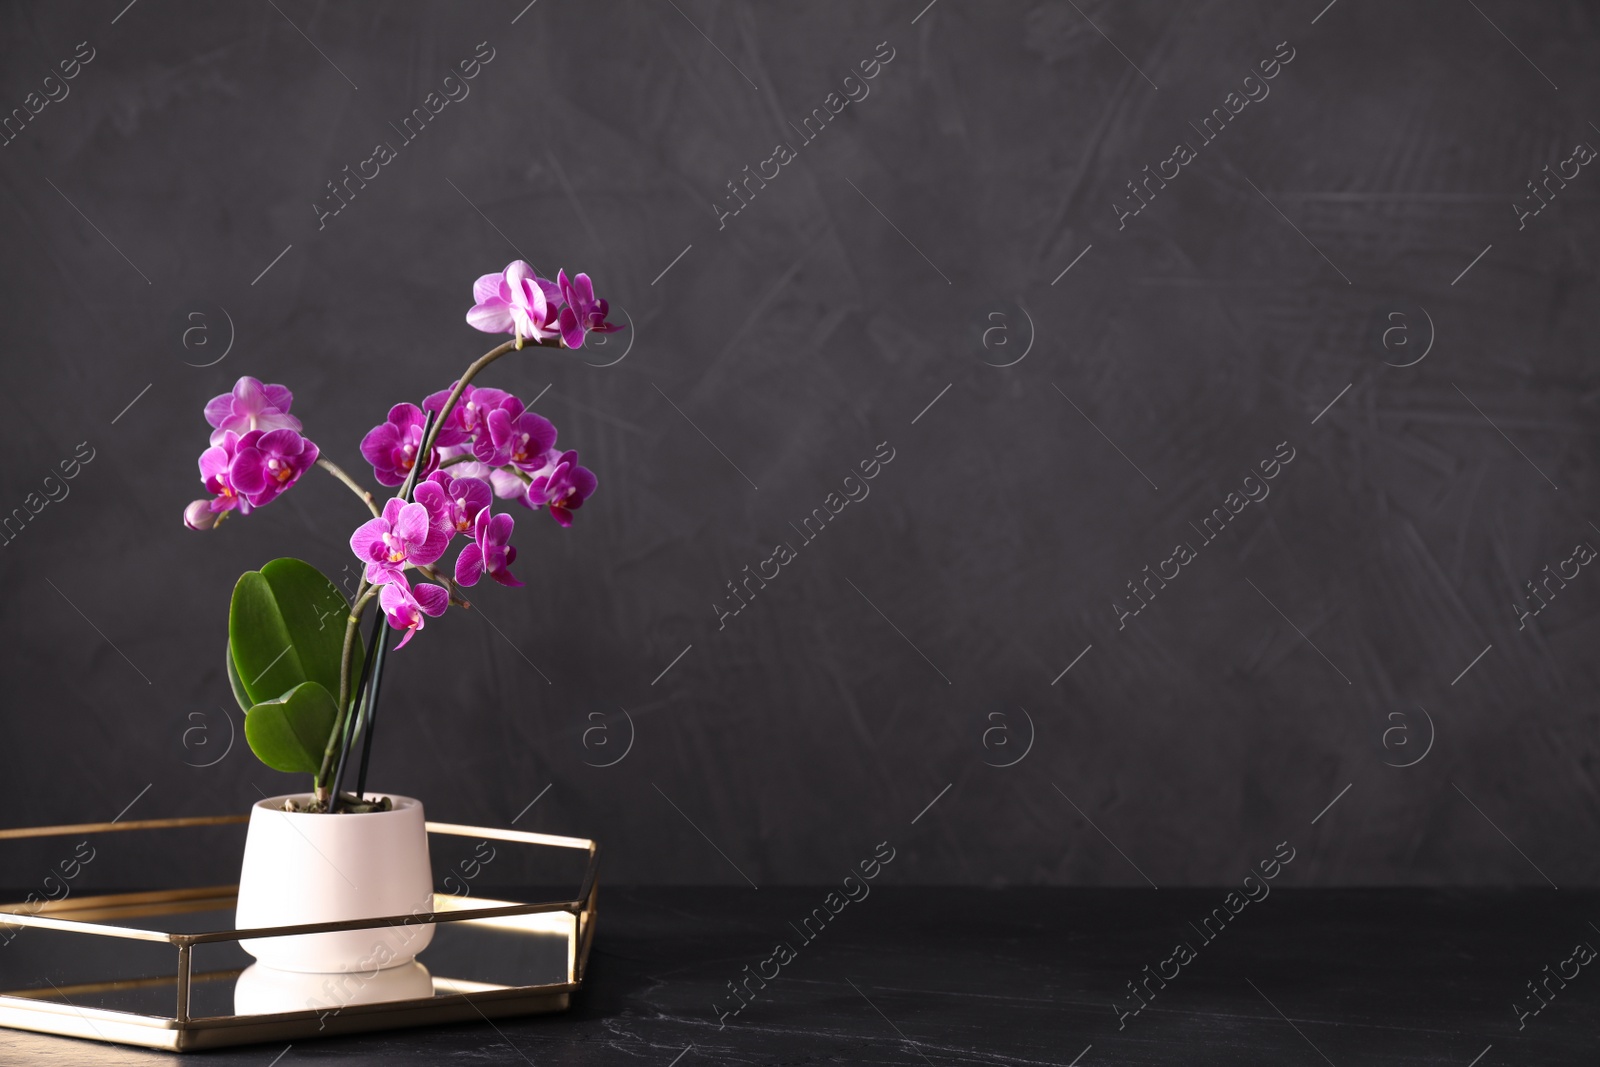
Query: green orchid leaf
(233, 682)
(286, 626)
(291, 733)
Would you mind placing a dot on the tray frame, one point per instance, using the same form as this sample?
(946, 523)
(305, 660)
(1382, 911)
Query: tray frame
(182, 1032)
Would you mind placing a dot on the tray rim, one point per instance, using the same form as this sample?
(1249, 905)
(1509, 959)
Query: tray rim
(182, 1032)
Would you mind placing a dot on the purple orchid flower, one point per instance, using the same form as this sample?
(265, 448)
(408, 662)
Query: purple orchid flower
(563, 486)
(405, 606)
(466, 418)
(214, 466)
(251, 406)
(521, 439)
(268, 462)
(490, 551)
(515, 301)
(404, 535)
(583, 312)
(392, 446)
(463, 498)
(504, 407)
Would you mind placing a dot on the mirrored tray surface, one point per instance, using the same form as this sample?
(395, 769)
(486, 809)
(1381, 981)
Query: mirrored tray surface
(84, 955)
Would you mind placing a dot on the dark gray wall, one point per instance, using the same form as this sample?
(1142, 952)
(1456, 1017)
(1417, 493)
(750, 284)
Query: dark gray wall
(919, 242)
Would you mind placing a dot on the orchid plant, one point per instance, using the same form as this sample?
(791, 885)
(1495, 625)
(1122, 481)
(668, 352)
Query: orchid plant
(297, 667)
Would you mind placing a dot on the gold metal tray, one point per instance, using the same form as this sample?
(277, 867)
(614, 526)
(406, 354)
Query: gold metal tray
(83, 955)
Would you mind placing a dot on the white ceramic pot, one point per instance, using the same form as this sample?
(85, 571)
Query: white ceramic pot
(309, 868)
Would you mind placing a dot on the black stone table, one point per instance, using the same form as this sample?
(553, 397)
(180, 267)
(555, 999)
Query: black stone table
(940, 976)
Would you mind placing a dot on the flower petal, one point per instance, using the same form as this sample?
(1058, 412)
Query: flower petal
(214, 461)
(367, 541)
(516, 271)
(395, 598)
(281, 443)
(583, 480)
(380, 573)
(406, 416)
(473, 495)
(507, 486)
(278, 398)
(432, 599)
(572, 330)
(412, 525)
(247, 471)
(485, 288)
(491, 317)
(431, 495)
(250, 396)
(218, 409)
(433, 546)
(469, 565)
(498, 531)
(541, 438)
(377, 448)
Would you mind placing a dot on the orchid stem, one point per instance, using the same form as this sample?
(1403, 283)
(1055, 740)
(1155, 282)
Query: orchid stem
(355, 486)
(372, 710)
(364, 594)
(362, 713)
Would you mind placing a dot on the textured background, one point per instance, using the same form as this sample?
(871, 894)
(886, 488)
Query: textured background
(915, 246)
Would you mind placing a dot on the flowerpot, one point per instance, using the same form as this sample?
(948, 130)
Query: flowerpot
(301, 867)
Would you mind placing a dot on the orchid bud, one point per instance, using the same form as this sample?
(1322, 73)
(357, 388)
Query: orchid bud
(199, 516)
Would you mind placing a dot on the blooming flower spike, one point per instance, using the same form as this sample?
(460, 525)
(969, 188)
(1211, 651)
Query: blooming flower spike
(481, 443)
